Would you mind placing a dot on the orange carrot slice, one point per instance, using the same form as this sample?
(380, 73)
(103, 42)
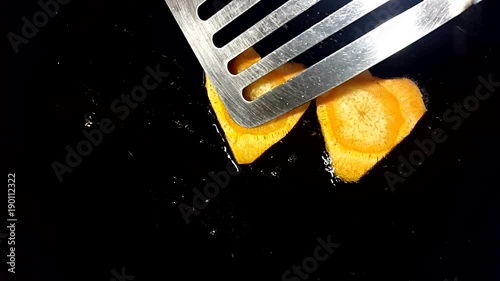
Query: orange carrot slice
(248, 144)
(364, 119)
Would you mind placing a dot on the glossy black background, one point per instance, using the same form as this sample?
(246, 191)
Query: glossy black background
(119, 208)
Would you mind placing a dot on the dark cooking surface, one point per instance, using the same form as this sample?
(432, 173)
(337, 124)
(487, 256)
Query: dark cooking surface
(119, 208)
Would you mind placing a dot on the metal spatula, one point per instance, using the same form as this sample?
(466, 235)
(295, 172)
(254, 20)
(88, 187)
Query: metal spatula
(370, 49)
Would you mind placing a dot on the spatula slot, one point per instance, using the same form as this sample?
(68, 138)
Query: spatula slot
(296, 26)
(211, 7)
(245, 21)
(353, 31)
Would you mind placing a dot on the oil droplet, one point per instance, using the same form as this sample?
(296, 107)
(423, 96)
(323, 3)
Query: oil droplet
(327, 162)
(89, 119)
(292, 159)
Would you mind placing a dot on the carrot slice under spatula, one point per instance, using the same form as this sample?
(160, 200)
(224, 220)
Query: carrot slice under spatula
(247, 144)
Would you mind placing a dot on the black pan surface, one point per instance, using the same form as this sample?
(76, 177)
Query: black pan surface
(117, 212)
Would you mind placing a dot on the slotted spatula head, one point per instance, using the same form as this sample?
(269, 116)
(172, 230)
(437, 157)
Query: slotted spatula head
(363, 53)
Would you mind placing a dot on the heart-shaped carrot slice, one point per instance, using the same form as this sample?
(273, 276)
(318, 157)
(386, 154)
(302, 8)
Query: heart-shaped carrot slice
(364, 119)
